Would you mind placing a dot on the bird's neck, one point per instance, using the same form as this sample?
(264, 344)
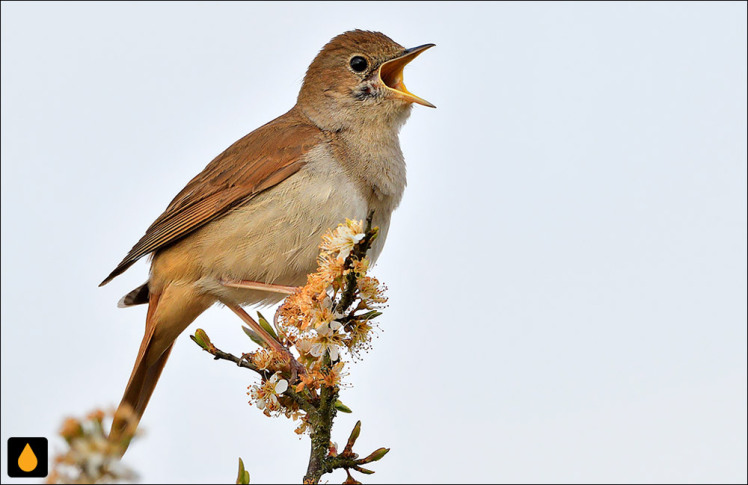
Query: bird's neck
(367, 145)
(370, 153)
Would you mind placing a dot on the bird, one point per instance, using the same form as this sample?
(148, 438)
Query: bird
(246, 229)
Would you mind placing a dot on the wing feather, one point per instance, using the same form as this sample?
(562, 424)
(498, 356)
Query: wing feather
(256, 162)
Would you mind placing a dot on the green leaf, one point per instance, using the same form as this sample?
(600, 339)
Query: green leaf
(243, 476)
(375, 455)
(370, 315)
(255, 338)
(342, 407)
(266, 326)
(363, 470)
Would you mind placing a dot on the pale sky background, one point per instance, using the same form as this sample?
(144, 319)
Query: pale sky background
(566, 272)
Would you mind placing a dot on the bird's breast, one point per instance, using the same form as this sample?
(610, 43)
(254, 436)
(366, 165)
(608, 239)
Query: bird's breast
(275, 236)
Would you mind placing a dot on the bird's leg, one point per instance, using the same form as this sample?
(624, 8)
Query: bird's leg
(256, 285)
(244, 357)
(296, 367)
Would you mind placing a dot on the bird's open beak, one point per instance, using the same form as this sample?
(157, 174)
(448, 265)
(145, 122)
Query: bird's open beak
(391, 74)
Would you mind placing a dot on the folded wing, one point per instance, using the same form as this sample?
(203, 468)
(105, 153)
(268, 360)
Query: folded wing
(256, 162)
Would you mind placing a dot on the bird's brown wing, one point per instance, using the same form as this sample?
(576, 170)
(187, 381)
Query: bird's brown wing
(256, 162)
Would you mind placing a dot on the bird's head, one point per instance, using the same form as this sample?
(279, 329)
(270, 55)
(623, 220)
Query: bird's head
(358, 78)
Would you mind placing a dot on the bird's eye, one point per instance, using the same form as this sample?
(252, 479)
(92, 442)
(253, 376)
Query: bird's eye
(359, 64)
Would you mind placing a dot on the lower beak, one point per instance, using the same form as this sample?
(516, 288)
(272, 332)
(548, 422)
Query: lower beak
(391, 75)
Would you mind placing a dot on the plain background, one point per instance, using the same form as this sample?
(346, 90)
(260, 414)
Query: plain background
(566, 272)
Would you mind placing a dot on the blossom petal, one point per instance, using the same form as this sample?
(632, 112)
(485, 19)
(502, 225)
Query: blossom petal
(281, 387)
(316, 350)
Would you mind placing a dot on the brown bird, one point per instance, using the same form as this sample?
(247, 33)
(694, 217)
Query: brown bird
(246, 229)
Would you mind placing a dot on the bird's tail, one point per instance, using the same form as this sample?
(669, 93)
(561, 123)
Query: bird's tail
(168, 315)
(142, 382)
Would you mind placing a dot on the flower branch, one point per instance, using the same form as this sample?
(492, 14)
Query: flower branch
(313, 331)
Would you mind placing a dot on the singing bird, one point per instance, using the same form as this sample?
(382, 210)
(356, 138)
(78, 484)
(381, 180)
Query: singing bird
(246, 229)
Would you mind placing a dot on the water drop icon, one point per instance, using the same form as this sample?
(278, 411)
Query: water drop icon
(27, 461)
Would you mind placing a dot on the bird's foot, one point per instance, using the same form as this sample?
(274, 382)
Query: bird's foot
(295, 367)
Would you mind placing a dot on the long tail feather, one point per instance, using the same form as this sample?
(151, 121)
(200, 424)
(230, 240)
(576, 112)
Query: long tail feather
(142, 381)
(169, 312)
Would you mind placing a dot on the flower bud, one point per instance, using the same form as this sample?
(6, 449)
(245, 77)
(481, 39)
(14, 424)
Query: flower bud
(201, 338)
(354, 436)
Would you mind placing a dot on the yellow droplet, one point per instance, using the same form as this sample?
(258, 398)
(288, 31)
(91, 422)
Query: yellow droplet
(27, 461)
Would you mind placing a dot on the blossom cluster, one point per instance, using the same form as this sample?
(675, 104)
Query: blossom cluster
(90, 456)
(328, 318)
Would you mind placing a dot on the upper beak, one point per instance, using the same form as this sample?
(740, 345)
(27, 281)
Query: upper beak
(391, 74)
